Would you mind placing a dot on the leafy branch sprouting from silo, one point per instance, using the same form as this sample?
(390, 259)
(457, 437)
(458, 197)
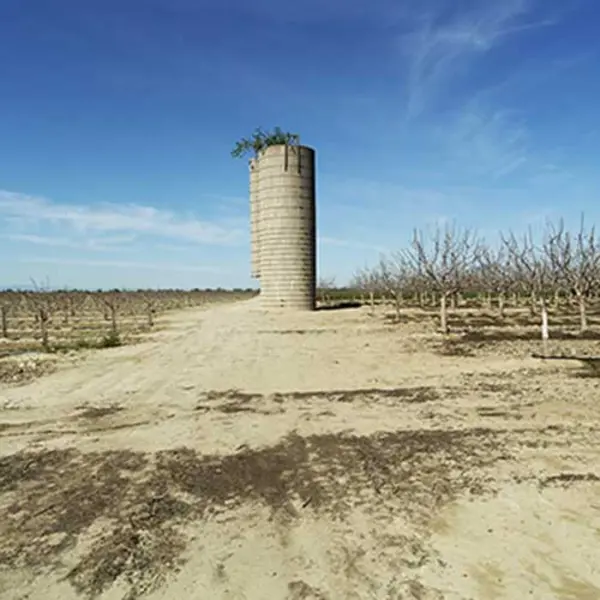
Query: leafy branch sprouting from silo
(259, 140)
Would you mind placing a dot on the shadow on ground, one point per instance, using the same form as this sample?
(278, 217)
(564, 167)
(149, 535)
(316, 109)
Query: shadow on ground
(139, 501)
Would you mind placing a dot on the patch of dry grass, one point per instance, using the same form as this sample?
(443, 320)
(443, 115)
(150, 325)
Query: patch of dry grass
(53, 498)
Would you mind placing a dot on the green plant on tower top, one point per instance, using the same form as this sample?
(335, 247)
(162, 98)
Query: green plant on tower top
(259, 140)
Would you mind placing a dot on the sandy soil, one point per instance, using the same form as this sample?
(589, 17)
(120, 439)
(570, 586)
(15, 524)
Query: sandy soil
(241, 455)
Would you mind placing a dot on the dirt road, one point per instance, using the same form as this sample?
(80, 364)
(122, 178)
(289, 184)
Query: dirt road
(240, 455)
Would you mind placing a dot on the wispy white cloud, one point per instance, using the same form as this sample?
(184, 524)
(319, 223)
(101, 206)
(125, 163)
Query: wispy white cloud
(309, 11)
(362, 200)
(483, 141)
(129, 219)
(121, 264)
(105, 243)
(438, 47)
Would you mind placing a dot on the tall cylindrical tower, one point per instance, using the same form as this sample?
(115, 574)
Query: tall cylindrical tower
(287, 227)
(254, 219)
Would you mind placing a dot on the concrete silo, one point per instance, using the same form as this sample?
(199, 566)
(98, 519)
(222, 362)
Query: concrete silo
(254, 218)
(286, 237)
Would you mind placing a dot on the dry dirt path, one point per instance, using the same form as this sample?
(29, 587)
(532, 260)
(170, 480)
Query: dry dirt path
(241, 455)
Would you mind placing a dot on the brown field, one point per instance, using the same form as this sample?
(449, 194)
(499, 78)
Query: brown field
(41, 330)
(232, 454)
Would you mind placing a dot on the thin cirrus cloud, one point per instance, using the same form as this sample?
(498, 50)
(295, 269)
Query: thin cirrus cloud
(436, 47)
(122, 264)
(23, 212)
(483, 141)
(104, 243)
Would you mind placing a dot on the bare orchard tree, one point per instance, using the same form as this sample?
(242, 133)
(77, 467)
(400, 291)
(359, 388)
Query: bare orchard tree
(41, 303)
(496, 274)
(8, 300)
(150, 300)
(532, 270)
(367, 281)
(444, 258)
(394, 274)
(111, 303)
(535, 274)
(576, 258)
(325, 286)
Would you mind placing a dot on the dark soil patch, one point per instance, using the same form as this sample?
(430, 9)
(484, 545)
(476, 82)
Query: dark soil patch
(229, 401)
(311, 331)
(340, 305)
(587, 374)
(497, 412)
(525, 335)
(456, 348)
(491, 411)
(235, 407)
(233, 401)
(52, 498)
(498, 388)
(403, 395)
(218, 396)
(300, 590)
(566, 479)
(97, 412)
(590, 370)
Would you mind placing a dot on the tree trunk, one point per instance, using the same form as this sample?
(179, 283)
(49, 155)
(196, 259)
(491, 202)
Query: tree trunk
(443, 313)
(583, 323)
(113, 319)
(532, 304)
(453, 302)
(43, 314)
(4, 311)
(489, 300)
(372, 302)
(556, 298)
(397, 302)
(501, 309)
(150, 316)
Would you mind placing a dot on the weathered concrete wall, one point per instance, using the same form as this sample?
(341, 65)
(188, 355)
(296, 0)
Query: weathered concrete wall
(287, 227)
(254, 219)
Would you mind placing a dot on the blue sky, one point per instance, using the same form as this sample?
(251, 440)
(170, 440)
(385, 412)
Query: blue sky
(117, 118)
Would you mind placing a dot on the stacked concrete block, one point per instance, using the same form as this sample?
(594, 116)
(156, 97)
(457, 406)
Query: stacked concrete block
(254, 218)
(284, 238)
